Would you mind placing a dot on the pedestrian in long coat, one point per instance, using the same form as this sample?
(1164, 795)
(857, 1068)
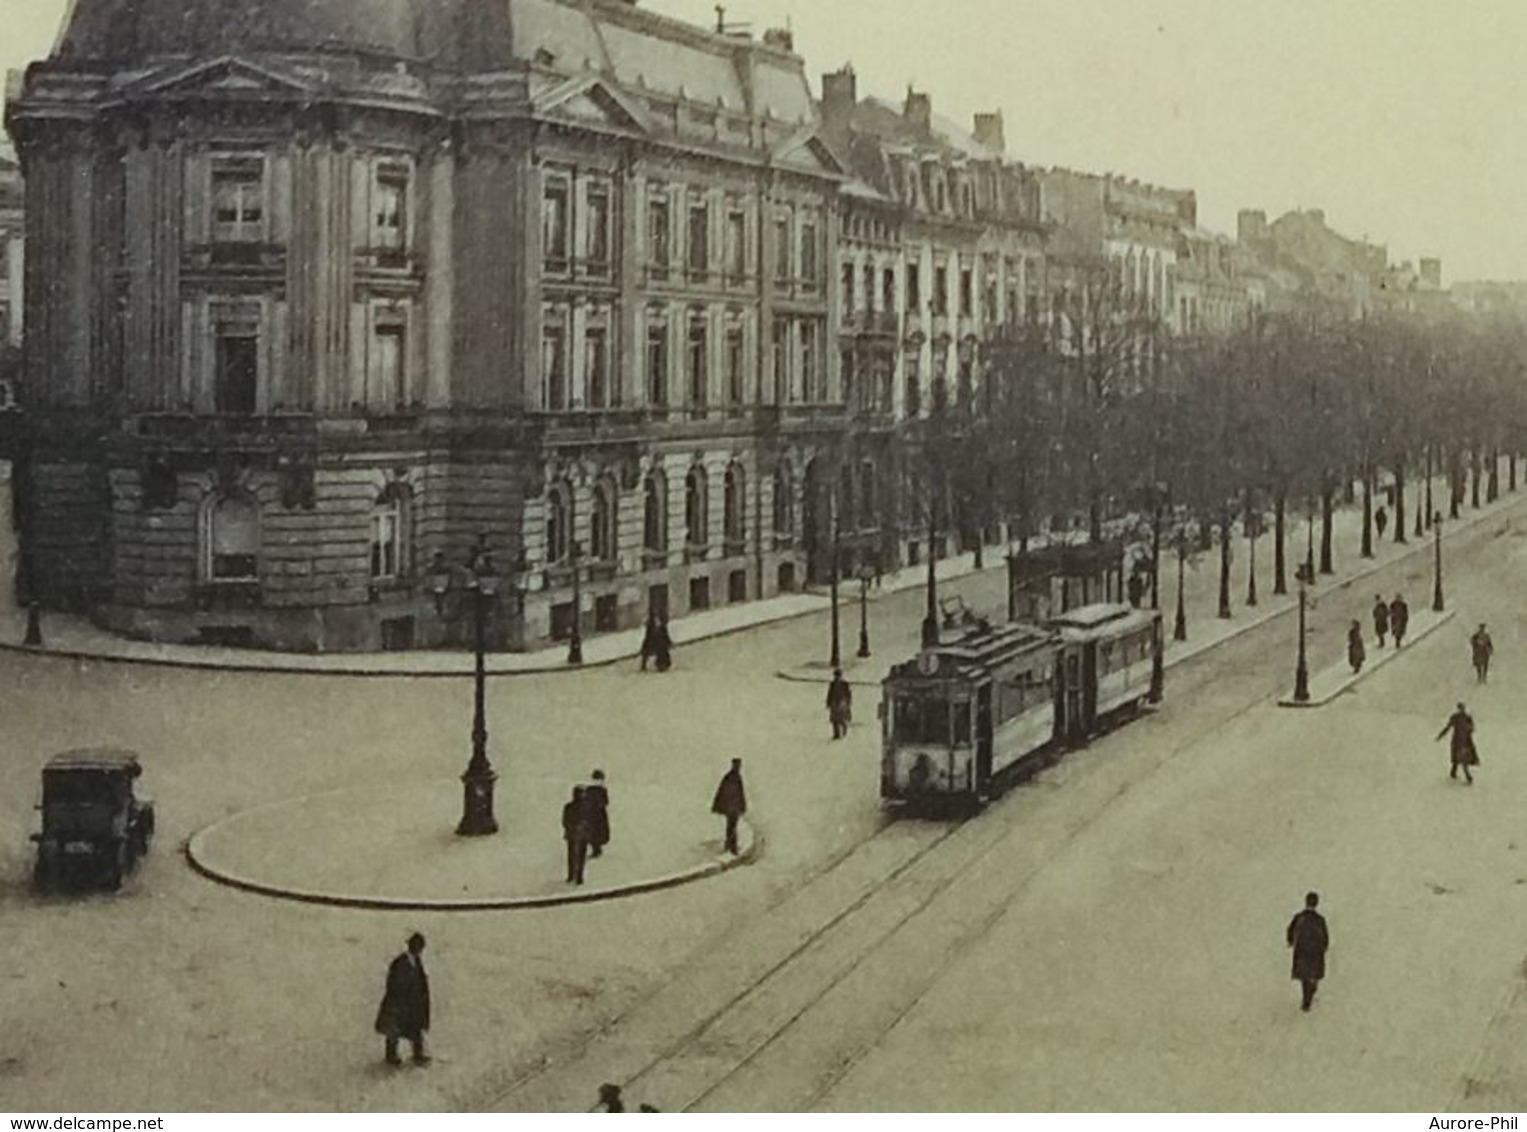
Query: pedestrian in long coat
(662, 647)
(1356, 653)
(1381, 520)
(1380, 618)
(840, 704)
(1399, 619)
(596, 796)
(404, 1012)
(1483, 649)
(1309, 937)
(731, 802)
(575, 831)
(1464, 754)
(649, 641)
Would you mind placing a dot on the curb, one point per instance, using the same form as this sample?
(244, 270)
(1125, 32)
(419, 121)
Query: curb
(751, 850)
(1334, 584)
(1355, 677)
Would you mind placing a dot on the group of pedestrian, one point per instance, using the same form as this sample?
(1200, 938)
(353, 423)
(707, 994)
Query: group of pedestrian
(611, 1100)
(1391, 619)
(657, 645)
(586, 825)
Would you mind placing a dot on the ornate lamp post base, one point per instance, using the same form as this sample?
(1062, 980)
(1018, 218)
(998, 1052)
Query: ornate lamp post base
(477, 818)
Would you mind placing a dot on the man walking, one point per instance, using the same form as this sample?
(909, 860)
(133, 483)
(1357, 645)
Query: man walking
(404, 1012)
(575, 831)
(1356, 653)
(1483, 649)
(1464, 754)
(1399, 619)
(1381, 520)
(731, 802)
(1380, 618)
(1308, 936)
(840, 704)
(596, 798)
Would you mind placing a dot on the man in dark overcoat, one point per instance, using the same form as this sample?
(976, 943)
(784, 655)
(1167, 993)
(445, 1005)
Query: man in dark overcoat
(1399, 619)
(1356, 653)
(1380, 618)
(1461, 726)
(596, 796)
(1309, 937)
(731, 802)
(575, 831)
(840, 704)
(1482, 648)
(662, 647)
(404, 1012)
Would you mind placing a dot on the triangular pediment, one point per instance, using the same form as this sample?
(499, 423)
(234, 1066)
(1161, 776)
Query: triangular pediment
(807, 151)
(591, 101)
(226, 76)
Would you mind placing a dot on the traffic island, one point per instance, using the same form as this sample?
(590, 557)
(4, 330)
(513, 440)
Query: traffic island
(1331, 682)
(396, 848)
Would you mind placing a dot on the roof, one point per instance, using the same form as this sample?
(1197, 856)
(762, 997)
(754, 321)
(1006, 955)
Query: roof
(94, 758)
(1091, 616)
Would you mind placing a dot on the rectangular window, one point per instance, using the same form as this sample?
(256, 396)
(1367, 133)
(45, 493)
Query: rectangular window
(391, 212)
(869, 289)
(782, 258)
(697, 369)
(384, 543)
(597, 243)
(736, 246)
(809, 391)
(699, 241)
(914, 288)
(554, 369)
(658, 237)
(941, 290)
(809, 255)
(735, 358)
(781, 361)
(848, 290)
(387, 368)
(555, 226)
(657, 366)
(967, 294)
(238, 369)
(596, 368)
(238, 202)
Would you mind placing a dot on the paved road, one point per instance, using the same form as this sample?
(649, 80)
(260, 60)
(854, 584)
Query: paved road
(177, 994)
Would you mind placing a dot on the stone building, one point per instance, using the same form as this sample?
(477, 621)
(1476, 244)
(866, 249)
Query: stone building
(334, 297)
(1333, 277)
(12, 250)
(942, 246)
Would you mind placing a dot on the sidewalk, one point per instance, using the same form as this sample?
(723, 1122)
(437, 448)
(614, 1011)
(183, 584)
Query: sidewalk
(1331, 682)
(75, 637)
(1206, 629)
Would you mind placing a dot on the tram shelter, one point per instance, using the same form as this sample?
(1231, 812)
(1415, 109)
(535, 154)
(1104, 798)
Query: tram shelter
(1044, 583)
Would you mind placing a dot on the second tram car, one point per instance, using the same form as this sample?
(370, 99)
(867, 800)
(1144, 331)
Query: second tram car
(967, 716)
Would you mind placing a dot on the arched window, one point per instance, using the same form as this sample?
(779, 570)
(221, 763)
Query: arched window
(655, 513)
(735, 519)
(602, 530)
(696, 508)
(233, 539)
(559, 524)
(784, 510)
(391, 540)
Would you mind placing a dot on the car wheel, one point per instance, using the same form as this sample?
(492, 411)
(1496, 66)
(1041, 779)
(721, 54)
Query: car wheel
(116, 865)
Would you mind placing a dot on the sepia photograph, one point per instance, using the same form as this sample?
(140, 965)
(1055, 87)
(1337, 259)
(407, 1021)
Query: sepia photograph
(864, 556)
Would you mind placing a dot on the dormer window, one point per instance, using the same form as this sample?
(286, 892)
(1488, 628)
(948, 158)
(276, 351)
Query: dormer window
(238, 201)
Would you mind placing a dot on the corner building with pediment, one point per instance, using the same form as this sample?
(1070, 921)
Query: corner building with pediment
(326, 295)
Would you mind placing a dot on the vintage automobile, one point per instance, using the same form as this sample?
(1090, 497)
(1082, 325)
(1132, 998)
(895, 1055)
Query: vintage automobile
(95, 822)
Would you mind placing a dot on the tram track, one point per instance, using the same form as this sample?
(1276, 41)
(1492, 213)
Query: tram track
(789, 1029)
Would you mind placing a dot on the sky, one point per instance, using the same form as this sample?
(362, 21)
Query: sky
(1401, 118)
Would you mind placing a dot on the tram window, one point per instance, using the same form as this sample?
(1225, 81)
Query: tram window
(922, 720)
(962, 723)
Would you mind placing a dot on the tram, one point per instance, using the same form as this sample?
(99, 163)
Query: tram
(967, 717)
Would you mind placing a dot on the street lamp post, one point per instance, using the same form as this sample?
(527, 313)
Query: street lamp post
(1302, 668)
(837, 650)
(1180, 623)
(1437, 603)
(930, 614)
(478, 780)
(866, 575)
(575, 641)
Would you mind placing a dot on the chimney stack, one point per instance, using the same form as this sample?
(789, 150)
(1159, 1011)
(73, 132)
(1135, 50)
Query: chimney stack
(1251, 225)
(781, 38)
(840, 94)
(989, 132)
(918, 110)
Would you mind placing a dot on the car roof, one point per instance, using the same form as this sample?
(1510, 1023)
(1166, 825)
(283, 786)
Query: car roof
(94, 758)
